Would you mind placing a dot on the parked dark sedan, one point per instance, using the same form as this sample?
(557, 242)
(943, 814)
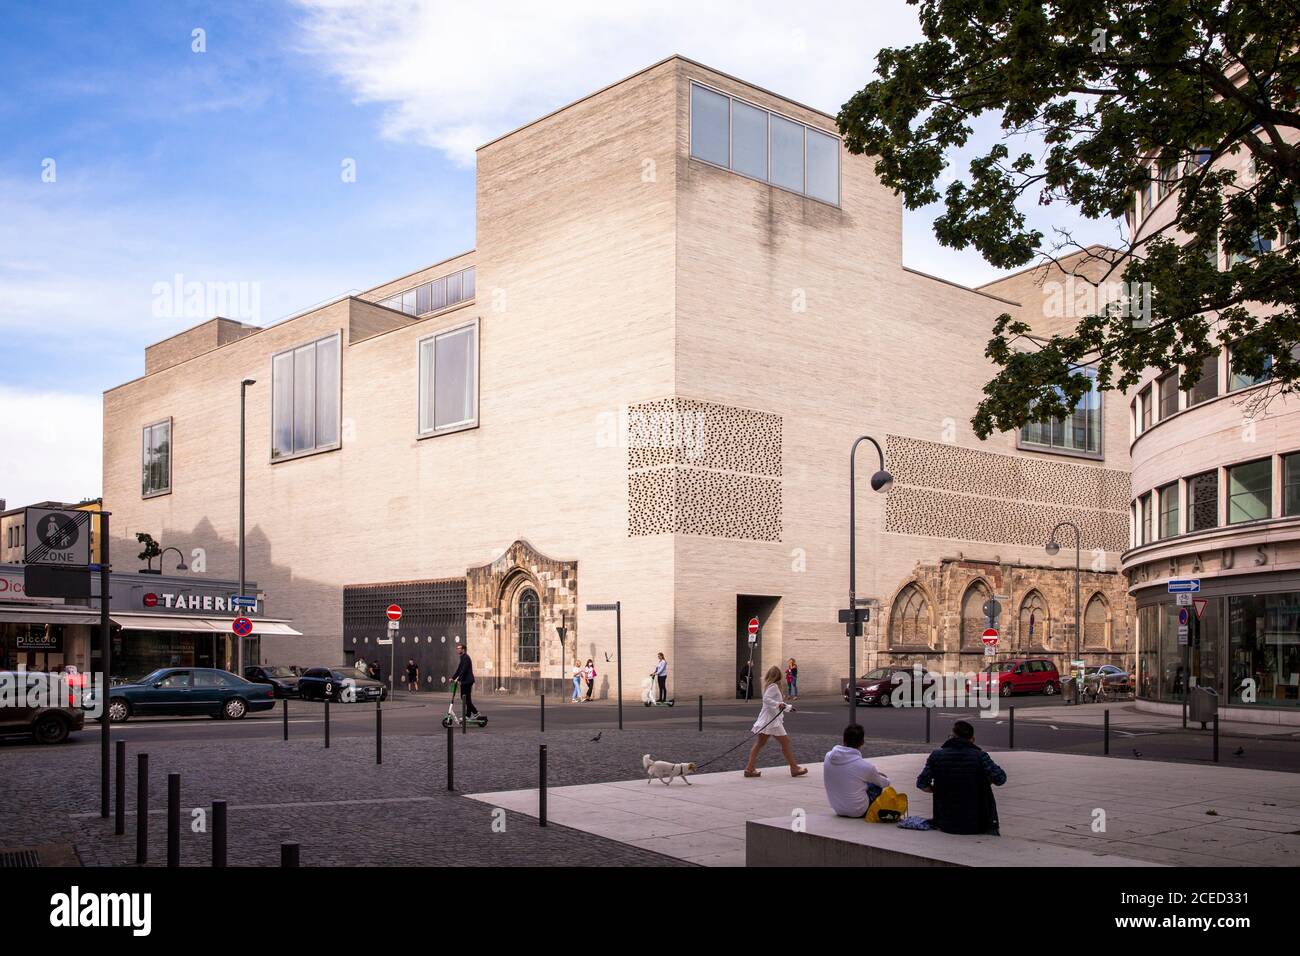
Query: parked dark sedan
(36, 711)
(188, 691)
(876, 687)
(282, 678)
(339, 684)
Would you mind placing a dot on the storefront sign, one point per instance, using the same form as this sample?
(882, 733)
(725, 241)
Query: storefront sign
(13, 590)
(41, 639)
(165, 601)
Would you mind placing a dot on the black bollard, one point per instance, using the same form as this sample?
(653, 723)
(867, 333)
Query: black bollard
(543, 713)
(218, 832)
(119, 809)
(701, 713)
(327, 723)
(1216, 736)
(541, 787)
(142, 810)
(173, 819)
(1011, 729)
(451, 755)
(288, 854)
(285, 713)
(379, 733)
(927, 724)
(1106, 732)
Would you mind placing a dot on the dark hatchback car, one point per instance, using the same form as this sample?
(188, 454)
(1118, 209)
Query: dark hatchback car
(29, 716)
(282, 678)
(188, 692)
(339, 684)
(876, 687)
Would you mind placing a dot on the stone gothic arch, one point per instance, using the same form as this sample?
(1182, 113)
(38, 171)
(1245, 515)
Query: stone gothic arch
(1033, 624)
(911, 618)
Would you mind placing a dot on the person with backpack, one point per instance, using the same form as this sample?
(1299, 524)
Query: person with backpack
(962, 777)
(589, 673)
(852, 782)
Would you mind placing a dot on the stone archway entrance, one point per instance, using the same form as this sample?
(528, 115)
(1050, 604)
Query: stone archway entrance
(515, 607)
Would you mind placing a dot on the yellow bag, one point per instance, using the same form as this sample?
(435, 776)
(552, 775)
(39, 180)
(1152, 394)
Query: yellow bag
(889, 807)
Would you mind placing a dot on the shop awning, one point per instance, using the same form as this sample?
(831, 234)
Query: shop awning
(13, 614)
(199, 625)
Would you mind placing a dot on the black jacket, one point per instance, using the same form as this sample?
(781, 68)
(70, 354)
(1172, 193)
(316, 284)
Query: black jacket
(464, 671)
(963, 776)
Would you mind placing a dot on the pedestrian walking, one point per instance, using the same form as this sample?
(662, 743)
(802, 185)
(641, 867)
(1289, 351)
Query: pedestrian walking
(660, 673)
(577, 683)
(374, 670)
(412, 675)
(792, 680)
(589, 674)
(771, 723)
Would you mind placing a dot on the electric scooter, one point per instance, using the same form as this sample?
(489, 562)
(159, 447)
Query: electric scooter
(453, 719)
(648, 696)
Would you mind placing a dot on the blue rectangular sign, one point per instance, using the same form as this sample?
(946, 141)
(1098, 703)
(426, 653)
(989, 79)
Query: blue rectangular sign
(243, 601)
(1185, 586)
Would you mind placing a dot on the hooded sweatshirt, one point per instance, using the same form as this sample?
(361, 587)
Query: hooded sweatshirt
(846, 776)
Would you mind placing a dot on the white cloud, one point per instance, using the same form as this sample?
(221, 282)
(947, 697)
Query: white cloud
(453, 76)
(51, 446)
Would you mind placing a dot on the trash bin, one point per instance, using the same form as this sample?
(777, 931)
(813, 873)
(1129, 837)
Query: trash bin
(1067, 689)
(1202, 705)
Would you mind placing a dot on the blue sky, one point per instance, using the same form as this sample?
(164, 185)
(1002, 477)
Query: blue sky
(224, 166)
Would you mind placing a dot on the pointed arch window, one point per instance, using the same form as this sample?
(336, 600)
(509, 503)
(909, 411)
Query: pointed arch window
(972, 615)
(909, 623)
(1033, 621)
(528, 622)
(1096, 623)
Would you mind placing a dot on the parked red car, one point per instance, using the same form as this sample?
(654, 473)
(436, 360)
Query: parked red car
(1023, 675)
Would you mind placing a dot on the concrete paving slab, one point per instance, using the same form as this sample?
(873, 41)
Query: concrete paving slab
(1155, 812)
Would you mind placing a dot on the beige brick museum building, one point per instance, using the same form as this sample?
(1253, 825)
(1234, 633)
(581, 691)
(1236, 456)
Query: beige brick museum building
(685, 302)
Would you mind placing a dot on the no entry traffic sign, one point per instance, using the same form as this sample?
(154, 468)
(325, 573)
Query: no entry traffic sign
(242, 626)
(394, 612)
(753, 625)
(990, 637)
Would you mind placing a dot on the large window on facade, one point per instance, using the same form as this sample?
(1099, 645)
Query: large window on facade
(449, 380)
(1238, 379)
(1169, 510)
(305, 399)
(156, 459)
(1250, 491)
(1291, 484)
(972, 615)
(1033, 630)
(1096, 623)
(1079, 433)
(529, 620)
(1167, 387)
(1203, 501)
(1207, 386)
(1262, 647)
(1144, 401)
(763, 145)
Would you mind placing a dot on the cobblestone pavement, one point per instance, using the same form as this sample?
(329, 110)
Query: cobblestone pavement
(345, 810)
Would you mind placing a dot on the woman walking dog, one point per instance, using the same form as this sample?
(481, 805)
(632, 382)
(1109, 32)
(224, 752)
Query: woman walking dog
(771, 723)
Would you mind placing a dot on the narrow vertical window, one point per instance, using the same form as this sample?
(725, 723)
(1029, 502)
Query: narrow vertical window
(787, 154)
(710, 113)
(156, 459)
(823, 167)
(305, 398)
(749, 140)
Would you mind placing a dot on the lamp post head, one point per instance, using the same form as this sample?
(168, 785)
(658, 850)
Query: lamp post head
(248, 381)
(182, 566)
(1053, 548)
(882, 481)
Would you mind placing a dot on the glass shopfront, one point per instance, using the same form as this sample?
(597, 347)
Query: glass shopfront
(33, 647)
(1245, 646)
(1265, 654)
(136, 653)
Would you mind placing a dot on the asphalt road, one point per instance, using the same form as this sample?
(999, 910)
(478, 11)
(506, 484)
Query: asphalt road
(421, 715)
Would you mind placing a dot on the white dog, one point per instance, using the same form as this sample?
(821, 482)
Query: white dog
(665, 771)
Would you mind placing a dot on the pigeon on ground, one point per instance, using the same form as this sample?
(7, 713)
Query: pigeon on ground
(597, 737)
(1239, 752)
(1137, 753)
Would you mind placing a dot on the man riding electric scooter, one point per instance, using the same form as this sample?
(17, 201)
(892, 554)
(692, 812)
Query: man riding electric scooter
(464, 676)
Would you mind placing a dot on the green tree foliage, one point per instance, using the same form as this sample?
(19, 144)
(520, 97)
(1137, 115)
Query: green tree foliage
(1111, 95)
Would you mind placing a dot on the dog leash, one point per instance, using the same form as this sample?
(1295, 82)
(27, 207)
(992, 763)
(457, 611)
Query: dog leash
(752, 735)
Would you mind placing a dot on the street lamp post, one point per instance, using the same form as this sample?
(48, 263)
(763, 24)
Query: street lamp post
(243, 402)
(1053, 548)
(881, 482)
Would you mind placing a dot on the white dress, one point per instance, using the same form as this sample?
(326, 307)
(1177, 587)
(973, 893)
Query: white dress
(773, 706)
